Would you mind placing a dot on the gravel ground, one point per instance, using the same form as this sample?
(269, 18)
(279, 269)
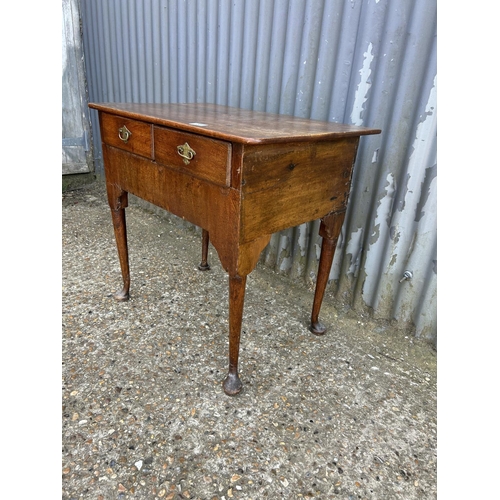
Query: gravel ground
(350, 415)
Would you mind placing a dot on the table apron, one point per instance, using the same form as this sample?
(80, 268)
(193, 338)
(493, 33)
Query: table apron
(207, 205)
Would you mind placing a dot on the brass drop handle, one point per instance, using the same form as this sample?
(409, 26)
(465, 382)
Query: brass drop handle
(124, 133)
(186, 152)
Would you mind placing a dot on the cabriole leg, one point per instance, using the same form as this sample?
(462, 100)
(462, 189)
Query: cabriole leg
(120, 228)
(204, 266)
(329, 230)
(232, 384)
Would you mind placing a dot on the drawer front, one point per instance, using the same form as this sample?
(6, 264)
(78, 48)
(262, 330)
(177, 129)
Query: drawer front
(127, 134)
(204, 157)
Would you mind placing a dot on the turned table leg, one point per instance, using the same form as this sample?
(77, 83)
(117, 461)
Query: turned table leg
(120, 228)
(204, 266)
(329, 230)
(232, 384)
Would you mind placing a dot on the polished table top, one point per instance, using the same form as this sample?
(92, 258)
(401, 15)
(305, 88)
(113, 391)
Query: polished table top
(234, 124)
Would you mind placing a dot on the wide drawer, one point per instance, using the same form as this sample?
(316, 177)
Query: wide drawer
(127, 134)
(201, 156)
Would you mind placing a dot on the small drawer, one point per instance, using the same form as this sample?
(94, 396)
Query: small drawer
(127, 134)
(204, 157)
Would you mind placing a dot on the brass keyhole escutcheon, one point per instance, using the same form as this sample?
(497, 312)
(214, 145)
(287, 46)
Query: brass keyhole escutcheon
(124, 133)
(186, 152)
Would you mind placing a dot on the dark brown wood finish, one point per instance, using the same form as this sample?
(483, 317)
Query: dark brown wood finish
(329, 230)
(211, 162)
(233, 124)
(240, 175)
(205, 240)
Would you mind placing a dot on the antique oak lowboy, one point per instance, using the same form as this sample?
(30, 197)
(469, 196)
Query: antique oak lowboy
(240, 175)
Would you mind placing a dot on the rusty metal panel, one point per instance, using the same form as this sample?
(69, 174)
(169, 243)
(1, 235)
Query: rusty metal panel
(365, 62)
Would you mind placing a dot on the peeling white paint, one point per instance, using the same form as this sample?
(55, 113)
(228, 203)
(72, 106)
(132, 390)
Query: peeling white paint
(354, 249)
(421, 253)
(286, 262)
(302, 239)
(374, 257)
(413, 248)
(420, 159)
(423, 143)
(363, 87)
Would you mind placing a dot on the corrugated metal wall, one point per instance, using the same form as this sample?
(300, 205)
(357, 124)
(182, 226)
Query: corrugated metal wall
(364, 62)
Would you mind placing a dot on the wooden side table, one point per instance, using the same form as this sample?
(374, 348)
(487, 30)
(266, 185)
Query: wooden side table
(240, 175)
